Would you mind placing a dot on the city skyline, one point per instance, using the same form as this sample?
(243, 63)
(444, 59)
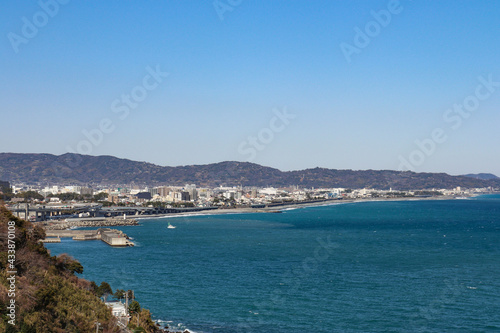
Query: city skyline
(383, 85)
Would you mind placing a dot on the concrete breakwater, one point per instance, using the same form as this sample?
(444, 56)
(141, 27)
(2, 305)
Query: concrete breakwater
(88, 222)
(111, 237)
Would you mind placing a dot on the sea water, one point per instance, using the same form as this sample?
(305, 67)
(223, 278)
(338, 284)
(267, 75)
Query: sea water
(401, 266)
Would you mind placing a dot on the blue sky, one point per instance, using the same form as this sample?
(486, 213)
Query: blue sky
(232, 67)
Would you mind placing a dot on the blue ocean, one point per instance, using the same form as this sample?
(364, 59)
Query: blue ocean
(393, 266)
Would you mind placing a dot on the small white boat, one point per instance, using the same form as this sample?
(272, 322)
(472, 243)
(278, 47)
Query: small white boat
(170, 226)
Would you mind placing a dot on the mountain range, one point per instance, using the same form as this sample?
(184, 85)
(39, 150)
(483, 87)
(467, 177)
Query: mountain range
(85, 169)
(485, 176)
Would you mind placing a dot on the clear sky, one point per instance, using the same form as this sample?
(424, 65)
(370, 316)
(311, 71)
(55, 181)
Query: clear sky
(288, 84)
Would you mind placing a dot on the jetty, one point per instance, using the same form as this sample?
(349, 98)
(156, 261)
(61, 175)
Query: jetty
(51, 240)
(86, 222)
(112, 237)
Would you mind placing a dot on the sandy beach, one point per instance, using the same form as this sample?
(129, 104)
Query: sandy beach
(278, 209)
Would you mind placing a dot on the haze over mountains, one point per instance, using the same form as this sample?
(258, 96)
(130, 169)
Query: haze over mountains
(485, 176)
(84, 169)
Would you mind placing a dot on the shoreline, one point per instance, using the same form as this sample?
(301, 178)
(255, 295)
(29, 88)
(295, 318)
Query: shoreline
(281, 208)
(133, 220)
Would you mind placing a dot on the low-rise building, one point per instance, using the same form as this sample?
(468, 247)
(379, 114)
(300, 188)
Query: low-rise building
(117, 309)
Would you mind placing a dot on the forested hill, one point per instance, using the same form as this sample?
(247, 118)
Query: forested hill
(40, 292)
(84, 169)
(48, 296)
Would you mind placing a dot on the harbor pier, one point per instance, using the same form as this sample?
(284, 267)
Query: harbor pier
(112, 237)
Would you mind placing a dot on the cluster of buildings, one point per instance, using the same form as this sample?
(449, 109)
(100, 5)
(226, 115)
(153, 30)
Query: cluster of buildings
(192, 196)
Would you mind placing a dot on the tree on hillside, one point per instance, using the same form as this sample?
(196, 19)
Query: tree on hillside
(104, 290)
(134, 307)
(64, 261)
(119, 293)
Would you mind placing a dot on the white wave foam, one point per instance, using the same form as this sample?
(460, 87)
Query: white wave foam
(291, 208)
(171, 325)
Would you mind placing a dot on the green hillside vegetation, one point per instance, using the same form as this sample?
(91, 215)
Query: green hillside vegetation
(84, 169)
(49, 297)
